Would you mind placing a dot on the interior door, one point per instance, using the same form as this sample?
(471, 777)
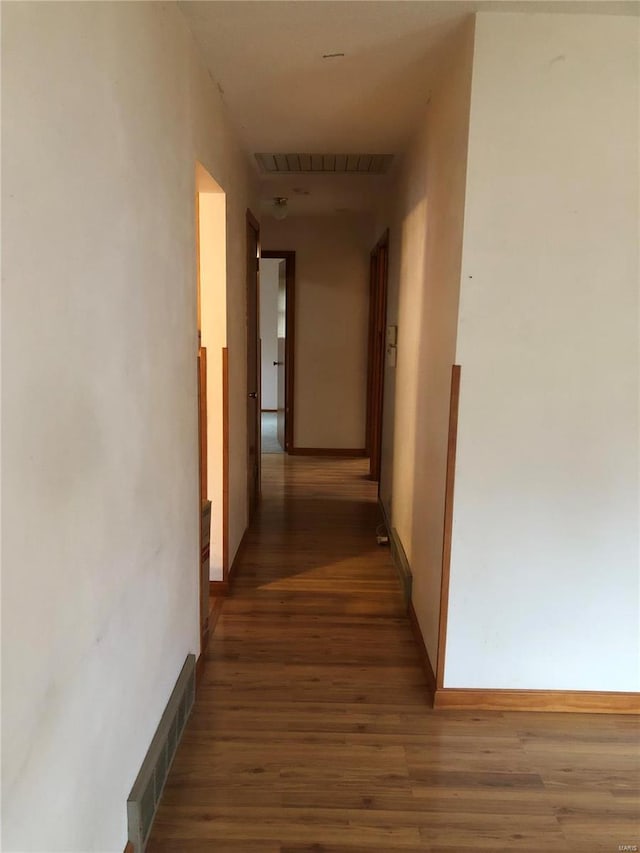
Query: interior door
(282, 354)
(253, 364)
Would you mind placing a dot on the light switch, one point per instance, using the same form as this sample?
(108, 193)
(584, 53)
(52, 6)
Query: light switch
(392, 335)
(391, 355)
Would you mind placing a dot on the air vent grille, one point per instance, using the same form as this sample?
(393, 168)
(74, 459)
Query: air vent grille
(147, 789)
(366, 164)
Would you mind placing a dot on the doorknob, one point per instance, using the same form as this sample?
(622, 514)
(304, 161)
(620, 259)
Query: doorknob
(253, 395)
(277, 363)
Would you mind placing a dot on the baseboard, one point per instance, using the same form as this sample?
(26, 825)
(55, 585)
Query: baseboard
(205, 641)
(214, 615)
(129, 848)
(422, 649)
(574, 701)
(328, 451)
(236, 560)
(398, 556)
(220, 588)
(200, 667)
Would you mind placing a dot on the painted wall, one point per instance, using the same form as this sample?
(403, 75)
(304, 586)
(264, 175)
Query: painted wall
(544, 574)
(105, 108)
(269, 268)
(212, 244)
(425, 212)
(332, 304)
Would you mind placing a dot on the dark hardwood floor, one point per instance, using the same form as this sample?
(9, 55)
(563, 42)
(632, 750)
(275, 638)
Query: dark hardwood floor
(313, 730)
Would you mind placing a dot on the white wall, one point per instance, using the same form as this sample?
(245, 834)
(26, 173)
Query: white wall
(331, 317)
(269, 330)
(545, 563)
(105, 108)
(425, 214)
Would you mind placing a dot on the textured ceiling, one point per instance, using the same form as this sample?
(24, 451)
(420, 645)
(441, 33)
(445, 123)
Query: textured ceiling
(283, 96)
(267, 58)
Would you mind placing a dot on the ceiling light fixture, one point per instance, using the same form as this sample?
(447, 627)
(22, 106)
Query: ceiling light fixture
(279, 208)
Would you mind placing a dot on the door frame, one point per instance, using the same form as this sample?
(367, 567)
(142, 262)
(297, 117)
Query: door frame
(289, 257)
(378, 285)
(203, 562)
(253, 281)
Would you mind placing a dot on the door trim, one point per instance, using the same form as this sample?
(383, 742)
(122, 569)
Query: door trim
(203, 504)
(378, 285)
(225, 463)
(289, 258)
(447, 532)
(253, 224)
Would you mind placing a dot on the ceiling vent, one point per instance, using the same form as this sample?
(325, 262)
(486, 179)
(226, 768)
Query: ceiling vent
(366, 164)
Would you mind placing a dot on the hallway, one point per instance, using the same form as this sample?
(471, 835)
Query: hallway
(312, 730)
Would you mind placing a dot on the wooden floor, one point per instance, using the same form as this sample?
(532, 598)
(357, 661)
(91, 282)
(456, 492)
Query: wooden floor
(313, 730)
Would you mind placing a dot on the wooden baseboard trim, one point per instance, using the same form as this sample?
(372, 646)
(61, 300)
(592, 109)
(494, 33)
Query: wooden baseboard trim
(573, 701)
(214, 615)
(398, 556)
(205, 639)
(200, 668)
(329, 451)
(129, 848)
(220, 588)
(422, 650)
(238, 556)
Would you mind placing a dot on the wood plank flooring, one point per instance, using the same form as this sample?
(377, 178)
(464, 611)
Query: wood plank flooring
(313, 730)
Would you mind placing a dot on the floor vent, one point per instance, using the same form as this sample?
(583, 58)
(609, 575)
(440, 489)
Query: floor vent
(147, 789)
(363, 164)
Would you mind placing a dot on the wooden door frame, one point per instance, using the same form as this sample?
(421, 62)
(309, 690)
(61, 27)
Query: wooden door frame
(253, 223)
(203, 582)
(373, 266)
(225, 465)
(203, 590)
(289, 258)
(378, 286)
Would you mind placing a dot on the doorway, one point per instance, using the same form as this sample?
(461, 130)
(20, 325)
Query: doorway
(272, 307)
(278, 336)
(378, 274)
(211, 276)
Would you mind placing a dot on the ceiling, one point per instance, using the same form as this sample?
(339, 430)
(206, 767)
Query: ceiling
(283, 96)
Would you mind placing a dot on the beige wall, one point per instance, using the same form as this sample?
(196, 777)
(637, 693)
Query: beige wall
(105, 109)
(331, 316)
(545, 563)
(425, 213)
